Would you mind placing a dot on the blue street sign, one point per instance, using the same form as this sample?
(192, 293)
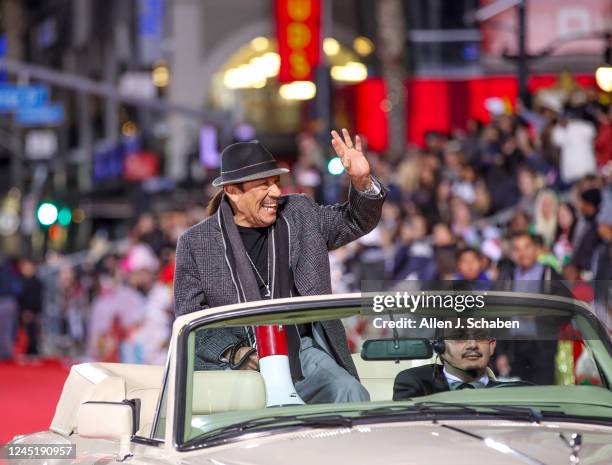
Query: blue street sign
(51, 114)
(150, 30)
(107, 162)
(13, 97)
(151, 18)
(3, 51)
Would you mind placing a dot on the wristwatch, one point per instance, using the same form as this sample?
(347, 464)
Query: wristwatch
(373, 188)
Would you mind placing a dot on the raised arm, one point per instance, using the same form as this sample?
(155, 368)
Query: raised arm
(343, 223)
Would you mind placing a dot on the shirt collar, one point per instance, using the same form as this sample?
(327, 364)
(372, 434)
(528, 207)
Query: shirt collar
(535, 272)
(450, 378)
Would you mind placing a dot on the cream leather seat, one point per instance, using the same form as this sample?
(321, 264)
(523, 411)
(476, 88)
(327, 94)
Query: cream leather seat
(378, 376)
(111, 382)
(226, 391)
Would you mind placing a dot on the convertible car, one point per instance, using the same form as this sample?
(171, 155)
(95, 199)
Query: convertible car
(183, 414)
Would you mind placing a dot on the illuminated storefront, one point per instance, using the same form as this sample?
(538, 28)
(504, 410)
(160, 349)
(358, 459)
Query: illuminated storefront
(247, 84)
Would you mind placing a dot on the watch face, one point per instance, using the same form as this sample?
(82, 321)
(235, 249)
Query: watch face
(372, 188)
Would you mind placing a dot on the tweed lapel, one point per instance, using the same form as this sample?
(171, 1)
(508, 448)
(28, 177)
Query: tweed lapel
(228, 259)
(294, 245)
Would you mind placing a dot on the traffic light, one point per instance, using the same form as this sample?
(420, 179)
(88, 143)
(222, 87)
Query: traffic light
(57, 234)
(50, 213)
(335, 167)
(64, 216)
(47, 213)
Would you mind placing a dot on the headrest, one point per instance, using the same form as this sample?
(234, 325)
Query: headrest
(226, 391)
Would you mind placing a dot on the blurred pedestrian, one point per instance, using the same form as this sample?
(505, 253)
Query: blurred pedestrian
(586, 237)
(580, 289)
(147, 340)
(413, 257)
(462, 225)
(603, 143)
(566, 222)
(74, 307)
(10, 289)
(575, 137)
(526, 274)
(445, 247)
(30, 304)
(602, 260)
(114, 312)
(528, 184)
(470, 266)
(519, 223)
(148, 232)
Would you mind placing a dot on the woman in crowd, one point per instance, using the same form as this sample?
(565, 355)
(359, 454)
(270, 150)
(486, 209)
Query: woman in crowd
(566, 221)
(545, 213)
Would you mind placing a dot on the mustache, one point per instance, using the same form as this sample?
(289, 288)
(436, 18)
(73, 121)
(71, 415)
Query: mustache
(469, 353)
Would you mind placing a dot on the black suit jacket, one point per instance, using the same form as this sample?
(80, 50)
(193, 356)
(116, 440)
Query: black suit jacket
(422, 381)
(551, 282)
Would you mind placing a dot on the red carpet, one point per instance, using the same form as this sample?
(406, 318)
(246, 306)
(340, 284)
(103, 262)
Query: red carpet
(28, 395)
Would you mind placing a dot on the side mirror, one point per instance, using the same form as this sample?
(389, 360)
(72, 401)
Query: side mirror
(396, 349)
(115, 421)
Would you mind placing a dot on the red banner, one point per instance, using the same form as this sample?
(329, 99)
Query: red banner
(140, 166)
(298, 31)
(435, 104)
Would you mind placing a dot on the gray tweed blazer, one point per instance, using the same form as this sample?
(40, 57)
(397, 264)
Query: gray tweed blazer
(203, 279)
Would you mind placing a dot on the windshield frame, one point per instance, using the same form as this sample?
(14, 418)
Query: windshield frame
(334, 301)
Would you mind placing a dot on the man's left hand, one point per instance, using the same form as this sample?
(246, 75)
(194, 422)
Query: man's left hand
(353, 159)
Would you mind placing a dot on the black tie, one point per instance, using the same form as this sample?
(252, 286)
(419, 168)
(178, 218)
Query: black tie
(465, 386)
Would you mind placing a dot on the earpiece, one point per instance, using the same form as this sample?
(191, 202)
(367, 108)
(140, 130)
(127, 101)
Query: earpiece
(439, 346)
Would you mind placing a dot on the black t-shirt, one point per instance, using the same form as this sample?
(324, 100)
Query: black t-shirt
(255, 242)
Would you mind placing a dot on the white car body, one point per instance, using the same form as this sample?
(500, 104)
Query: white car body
(418, 441)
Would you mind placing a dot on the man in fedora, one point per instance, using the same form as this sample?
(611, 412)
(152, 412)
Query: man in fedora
(258, 245)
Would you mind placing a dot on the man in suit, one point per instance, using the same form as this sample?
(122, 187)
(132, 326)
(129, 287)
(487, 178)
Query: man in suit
(258, 245)
(527, 274)
(465, 355)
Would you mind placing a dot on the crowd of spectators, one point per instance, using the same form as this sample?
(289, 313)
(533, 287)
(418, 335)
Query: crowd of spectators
(116, 305)
(526, 197)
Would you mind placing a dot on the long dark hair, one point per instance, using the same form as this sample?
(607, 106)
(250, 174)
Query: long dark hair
(572, 210)
(213, 204)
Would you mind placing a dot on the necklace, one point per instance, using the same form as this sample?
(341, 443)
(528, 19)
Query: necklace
(266, 285)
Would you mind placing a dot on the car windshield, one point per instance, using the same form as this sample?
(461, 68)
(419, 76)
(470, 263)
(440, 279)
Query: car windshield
(541, 355)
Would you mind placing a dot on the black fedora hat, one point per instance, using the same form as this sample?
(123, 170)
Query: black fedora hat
(246, 161)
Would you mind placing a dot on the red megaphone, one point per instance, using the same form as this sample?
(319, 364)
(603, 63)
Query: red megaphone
(274, 366)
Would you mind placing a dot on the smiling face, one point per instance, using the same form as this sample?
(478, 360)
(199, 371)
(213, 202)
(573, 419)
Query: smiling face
(255, 203)
(472, 353)
(525, 251)
(469, 265)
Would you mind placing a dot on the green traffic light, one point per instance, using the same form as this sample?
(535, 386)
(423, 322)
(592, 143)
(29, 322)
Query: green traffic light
(335, 166)
(65, 216)
(47, 214)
